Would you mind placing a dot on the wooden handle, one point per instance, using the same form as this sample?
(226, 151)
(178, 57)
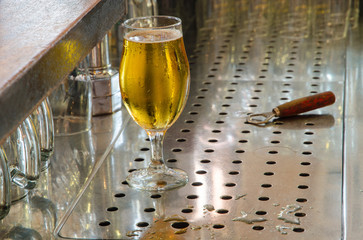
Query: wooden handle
(305, 104)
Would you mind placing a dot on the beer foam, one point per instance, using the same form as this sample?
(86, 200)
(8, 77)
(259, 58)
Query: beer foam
(152, 36)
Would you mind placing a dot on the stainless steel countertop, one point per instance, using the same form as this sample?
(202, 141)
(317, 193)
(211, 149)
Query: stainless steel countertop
(243, 179)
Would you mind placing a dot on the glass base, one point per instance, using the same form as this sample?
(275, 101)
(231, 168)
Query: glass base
(157, 179)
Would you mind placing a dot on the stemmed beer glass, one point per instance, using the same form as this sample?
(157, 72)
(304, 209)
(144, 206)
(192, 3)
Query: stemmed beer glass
(154, 82)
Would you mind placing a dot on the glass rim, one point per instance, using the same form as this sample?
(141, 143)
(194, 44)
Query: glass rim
(126, 23)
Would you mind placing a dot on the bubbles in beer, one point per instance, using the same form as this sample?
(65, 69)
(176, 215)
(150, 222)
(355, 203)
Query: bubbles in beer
(152, 36)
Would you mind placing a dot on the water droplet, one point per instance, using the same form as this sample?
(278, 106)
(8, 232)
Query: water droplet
(287, 216)
(247, 219)
(174, 217)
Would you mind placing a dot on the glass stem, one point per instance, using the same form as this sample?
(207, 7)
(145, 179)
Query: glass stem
(157, 159)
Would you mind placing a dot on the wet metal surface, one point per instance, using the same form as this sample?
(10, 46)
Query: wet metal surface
(283, 180)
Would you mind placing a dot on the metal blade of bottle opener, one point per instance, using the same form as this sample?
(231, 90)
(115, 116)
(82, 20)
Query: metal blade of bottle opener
(294, 107)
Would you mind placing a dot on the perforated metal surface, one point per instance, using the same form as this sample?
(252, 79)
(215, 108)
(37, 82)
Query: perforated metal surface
(281, 181)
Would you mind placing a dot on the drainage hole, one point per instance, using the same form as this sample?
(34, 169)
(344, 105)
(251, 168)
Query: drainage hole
(200, 97)
(273, 152)
(305, 163)
(275, 142)
(306, 153)
(142, 224)
(201, 172)
(124, 183)
(216, 131)
(263, 198)
(192, 196)
(104, 223)
(300, 214)
(309, 124)
(304, 174)
(308, 142)
(197, 105)
(240, 151)
(176, 150)
(299, 230)
(139, 159)
(258, 228)
(271, 162)
(209, 150)
(155, 196)
(193, 113)
(266, 185)
(187, 210)
(278, 122)
(196, 184)
(226, 197)
(149, 210)
(226, 105)
(230, 184)
(181, 140)
(185, 130)
(131, 170)
(219, 122)
(276, 132)
(255, 98)
(301, 200)
(252, 105)
(261, 213)
(223, 113)
(207, 83)
(308, 133)
(144, 149)
(303, 187)
(205, 161)
(172, 160)
(119, 195)
(228, 97)
(222, 211)
(243, 141)
(212, 140)
(233, 173)
(234, 83)
(112, 209)
(246, 131)
(268, 173)
(180, 225)
(236, 161)
(218, 226)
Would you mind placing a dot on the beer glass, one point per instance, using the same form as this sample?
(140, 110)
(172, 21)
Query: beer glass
(154, 83)
(43, 122)
(4, 185)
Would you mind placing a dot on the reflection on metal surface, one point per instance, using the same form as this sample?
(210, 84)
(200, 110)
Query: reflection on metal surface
(233, 166)
(75, 157)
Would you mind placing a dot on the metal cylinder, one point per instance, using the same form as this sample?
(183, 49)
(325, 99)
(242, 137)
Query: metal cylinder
(106, 96)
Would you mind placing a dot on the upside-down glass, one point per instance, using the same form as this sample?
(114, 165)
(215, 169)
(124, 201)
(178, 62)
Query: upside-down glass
(154, 82)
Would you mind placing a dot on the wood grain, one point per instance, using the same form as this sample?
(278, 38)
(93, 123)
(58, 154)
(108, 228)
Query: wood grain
(40, 43)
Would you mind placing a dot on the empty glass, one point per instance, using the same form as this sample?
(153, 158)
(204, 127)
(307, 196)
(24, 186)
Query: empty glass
(43, 121)
(22, 149)
(4, 186)
(71, 103)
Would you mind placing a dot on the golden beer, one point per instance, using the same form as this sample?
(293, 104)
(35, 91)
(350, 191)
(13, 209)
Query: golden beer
(154, 77)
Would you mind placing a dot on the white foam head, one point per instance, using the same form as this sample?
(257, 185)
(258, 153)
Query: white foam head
(152, 36)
